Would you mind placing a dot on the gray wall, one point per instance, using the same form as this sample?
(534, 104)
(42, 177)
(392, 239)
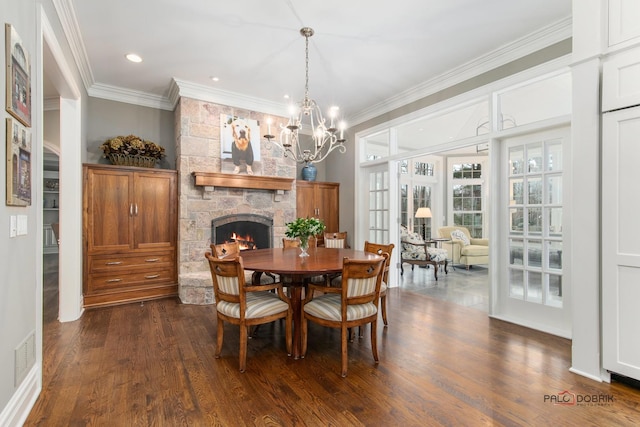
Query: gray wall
(342, 168)
(107, 119)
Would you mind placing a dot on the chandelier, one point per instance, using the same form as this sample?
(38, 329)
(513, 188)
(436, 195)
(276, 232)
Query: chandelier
(326, 137)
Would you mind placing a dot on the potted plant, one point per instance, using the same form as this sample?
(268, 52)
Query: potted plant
(303, 229)
(132, 150)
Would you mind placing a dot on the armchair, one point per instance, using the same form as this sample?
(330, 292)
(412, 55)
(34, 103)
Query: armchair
(415, 251)
(464, 249)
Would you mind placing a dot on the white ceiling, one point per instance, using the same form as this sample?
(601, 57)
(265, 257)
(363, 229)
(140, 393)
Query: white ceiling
(363, 54)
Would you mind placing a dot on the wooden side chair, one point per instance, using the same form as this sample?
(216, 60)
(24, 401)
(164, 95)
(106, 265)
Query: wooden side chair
(335, 240)
(245, 305)
(354, 304)
(378, 248)
(295, 243)
(223, 250)
(231, 250)
(288, 243)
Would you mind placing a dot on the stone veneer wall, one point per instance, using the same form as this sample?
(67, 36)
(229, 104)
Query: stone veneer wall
(197, 125)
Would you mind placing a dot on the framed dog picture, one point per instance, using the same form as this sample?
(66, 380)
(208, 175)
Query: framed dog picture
(240, 144)
(18, 77)
(18, 164)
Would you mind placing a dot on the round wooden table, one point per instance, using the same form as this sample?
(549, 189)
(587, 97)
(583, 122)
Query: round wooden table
(294, 269)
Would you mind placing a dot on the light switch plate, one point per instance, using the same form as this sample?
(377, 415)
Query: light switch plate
(22, 225)
(13, 227)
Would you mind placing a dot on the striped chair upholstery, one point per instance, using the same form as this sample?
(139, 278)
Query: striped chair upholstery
(353, 304)
(335, 240)
(245, 304)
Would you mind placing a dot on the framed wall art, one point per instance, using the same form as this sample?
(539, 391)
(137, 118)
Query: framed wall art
(240, 144)
(18, 164)
(18, 77)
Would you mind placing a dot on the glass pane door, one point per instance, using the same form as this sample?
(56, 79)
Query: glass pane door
(531, 290)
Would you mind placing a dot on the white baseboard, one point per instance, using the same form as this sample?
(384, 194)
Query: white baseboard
(18, 408)
(586, 374)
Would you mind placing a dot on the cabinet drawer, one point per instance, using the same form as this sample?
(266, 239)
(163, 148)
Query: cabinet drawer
(114, 281)
(118, 262)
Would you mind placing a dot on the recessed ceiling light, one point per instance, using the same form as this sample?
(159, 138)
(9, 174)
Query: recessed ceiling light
(215, 79)
(286, 96)
(133, 57)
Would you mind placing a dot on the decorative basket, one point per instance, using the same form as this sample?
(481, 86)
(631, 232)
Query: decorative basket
(130, 160)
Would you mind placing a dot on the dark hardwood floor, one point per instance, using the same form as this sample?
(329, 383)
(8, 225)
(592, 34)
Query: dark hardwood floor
(152, 364)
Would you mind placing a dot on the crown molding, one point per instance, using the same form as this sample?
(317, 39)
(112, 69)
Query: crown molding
(129, 96)
(187, 89)
(67, 15)
(531, 43)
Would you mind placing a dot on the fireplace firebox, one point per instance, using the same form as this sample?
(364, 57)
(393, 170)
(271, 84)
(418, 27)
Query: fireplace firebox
(250, 230)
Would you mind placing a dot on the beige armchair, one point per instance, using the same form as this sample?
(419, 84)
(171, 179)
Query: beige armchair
(475, 252)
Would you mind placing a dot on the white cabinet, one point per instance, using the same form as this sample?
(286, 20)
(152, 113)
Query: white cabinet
(624, 22)
(621, 242)
(621, 80)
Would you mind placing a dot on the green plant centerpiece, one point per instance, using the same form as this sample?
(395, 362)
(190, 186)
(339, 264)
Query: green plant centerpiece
(303, 229)
(132, 150)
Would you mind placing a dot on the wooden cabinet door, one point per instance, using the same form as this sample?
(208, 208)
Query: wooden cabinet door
(327, 201)
(107, 216)
(306, 200)
(319, 200)
(154, 202)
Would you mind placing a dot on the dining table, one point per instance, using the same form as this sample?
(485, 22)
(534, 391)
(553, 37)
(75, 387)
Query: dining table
(295, 271)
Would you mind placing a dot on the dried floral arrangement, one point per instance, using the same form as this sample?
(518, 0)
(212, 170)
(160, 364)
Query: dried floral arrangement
(132, 145)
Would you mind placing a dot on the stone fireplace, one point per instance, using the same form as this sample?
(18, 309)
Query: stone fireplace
(206, 194)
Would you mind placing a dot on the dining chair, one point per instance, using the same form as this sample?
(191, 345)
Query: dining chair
(379, 249)
(244, 304)
(295, 242)
(335, 240)
(232, 249)
(223, 250)
(288, 243)
(354, 304)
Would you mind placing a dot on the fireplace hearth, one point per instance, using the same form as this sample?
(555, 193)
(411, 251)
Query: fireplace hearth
(250, 230)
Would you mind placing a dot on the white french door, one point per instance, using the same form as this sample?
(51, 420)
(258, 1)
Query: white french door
(380, 224)
(531, 290)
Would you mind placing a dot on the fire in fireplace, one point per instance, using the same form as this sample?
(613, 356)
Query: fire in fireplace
(250, 230)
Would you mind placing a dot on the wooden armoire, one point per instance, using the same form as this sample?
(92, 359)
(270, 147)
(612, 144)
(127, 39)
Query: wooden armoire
(319, 200)
(130, 218)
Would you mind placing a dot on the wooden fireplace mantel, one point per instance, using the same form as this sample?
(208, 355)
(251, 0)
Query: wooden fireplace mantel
(212, 179)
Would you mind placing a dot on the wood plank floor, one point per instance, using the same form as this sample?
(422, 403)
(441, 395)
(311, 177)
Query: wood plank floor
(152, 364)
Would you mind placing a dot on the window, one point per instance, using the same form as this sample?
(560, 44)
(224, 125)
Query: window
(467, 197)
(467, 170)
(424, 169)
(416, 191)
(422, 198)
